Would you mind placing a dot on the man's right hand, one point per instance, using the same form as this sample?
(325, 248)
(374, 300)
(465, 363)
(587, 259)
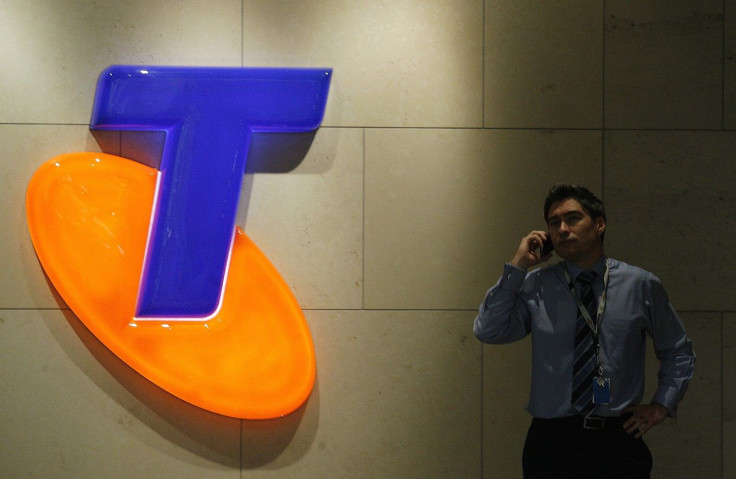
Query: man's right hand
(528, 253)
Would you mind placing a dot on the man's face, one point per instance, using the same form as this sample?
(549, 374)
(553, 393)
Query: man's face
(575, 235)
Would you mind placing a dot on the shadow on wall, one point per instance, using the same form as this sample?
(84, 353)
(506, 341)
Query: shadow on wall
(267, 153)
(232, 442)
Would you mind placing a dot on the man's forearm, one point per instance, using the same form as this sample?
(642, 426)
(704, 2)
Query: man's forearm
(501, 316)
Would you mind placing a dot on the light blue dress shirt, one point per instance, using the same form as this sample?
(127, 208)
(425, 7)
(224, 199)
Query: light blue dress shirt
(540, 303)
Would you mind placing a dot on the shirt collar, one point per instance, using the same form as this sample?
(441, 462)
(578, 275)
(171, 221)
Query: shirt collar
(599, 267)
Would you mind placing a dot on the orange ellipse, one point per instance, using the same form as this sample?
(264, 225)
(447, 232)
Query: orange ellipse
(88, 216)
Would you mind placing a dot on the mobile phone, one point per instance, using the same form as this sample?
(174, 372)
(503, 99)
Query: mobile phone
(547, 247)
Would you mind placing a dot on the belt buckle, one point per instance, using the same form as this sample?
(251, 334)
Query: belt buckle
(594, 423)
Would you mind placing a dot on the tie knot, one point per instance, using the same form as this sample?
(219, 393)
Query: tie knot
(586, 277)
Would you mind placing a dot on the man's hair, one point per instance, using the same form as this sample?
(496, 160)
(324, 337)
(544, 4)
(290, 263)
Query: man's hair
(564, 191)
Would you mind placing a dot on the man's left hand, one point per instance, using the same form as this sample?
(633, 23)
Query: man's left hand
(644, 417)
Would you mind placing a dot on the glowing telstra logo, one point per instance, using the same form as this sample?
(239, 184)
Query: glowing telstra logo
(151, 260)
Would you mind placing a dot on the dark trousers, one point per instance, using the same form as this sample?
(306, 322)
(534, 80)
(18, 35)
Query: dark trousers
(563, 448)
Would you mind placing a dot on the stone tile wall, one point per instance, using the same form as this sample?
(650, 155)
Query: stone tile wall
(447, 122)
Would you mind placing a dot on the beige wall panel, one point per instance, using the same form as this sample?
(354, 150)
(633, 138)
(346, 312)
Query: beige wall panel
(25, 148)
(690, 446)
(729, 395)
(729, 65)
(663, 64)
(400, 63)
(309, 220)
(543, 64)
(670, 204)
(398, 395)
(506, 373)
(445, 209)
(54, 51)
(70, 409)
(402, 205)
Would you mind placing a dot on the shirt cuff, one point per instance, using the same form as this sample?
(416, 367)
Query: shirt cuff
(667, 400)
(513, 277)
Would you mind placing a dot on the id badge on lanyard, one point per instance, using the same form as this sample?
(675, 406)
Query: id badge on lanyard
(601, 384)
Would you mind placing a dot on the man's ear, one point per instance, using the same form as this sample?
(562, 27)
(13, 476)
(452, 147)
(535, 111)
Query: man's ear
(600, 225)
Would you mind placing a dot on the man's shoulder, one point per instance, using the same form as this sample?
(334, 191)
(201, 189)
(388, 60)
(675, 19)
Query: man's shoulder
(619, 267)
(548, 271)
(543, 278)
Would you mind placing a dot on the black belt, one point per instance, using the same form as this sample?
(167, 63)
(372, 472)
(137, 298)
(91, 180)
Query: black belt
(591, 423)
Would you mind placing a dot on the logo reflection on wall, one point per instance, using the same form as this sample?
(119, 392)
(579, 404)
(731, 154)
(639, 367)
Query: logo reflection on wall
(150, 259)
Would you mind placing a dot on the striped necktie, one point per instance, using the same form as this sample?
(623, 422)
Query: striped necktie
(585, 351)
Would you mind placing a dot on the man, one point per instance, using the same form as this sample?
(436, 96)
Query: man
(589, 316)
